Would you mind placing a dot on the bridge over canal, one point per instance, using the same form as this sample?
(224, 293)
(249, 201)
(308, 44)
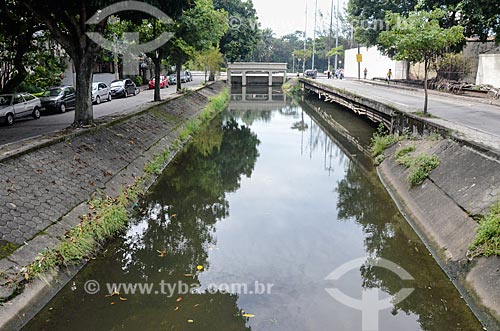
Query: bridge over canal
(240, 72)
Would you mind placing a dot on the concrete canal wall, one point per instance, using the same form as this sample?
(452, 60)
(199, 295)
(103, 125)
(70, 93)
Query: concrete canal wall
(444, 212)
(45, 190)
(445, 209)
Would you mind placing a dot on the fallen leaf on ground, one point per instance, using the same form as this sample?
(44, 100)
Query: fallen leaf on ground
(179, 299)
(196, 305)
(123, 299)
(176, 309)
(190, 321)
(115, 292)
(188, 275)
(162, 253)
(113, 303)
(200, 268)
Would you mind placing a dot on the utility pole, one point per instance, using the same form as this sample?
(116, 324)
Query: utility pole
(314, 33)
(330, 37)
(305, 45)
(337, 36)
(359, 63)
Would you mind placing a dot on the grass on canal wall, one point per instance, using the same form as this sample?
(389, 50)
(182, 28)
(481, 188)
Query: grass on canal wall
(110, 216)
(419, 167)
(487, 241)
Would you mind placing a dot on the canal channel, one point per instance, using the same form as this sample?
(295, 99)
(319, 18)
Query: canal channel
(266, 217)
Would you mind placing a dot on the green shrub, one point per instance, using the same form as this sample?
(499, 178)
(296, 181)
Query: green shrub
(138, 81)
(405, 151)
(419, 166)
(487, 241)
(382, 140)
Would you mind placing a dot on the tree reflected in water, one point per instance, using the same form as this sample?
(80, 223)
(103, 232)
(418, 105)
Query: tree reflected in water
(363, 199)
(171, 236)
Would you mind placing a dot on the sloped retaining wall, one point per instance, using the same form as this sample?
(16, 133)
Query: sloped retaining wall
(443, 211)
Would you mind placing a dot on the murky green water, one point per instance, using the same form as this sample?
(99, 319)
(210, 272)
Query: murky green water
(266, 197)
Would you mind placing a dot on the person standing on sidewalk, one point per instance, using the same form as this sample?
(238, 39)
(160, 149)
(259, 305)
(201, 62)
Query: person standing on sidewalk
(389, 75)
(365, 72)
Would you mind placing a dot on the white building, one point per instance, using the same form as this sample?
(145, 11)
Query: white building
(488, 71)
(375, 62)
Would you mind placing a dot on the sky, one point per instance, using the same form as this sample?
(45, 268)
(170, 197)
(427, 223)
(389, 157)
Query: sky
(288, 16)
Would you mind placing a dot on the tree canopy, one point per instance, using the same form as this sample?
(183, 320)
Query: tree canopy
(419, 38)
(242, 38)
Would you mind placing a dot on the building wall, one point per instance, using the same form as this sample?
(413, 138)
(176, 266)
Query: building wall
(377, 64)
(471, 51)
(488, 70)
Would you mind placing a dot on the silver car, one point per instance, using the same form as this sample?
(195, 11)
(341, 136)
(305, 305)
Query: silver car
(100, 92)
(14, 106)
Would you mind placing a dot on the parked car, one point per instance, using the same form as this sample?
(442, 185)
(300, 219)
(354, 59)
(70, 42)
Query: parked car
(164, 82)
(123, 88)
(172, 79)
(59, 99)
(100, 91)
(311, 74)
(14, 106)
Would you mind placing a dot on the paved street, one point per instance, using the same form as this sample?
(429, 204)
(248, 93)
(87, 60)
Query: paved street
(463, 111)
(28, 128)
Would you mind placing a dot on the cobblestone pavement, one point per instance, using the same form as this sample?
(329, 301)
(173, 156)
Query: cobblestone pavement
(38, 188)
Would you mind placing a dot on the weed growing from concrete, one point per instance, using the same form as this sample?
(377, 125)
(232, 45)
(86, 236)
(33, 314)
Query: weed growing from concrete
(487, 241)
(382, 140)
(405, 151)
(419, 166)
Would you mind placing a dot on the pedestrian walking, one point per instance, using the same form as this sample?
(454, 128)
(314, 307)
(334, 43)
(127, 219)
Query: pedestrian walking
(329, 74)
(365, 72)
(389, 75)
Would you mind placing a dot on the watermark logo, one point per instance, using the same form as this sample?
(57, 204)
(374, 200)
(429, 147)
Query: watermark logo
(129, 46)
(236, 23)
(370, 303)
(170, 290)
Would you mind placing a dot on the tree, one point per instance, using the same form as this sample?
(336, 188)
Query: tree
(419, 38)
(241, 40)
(210, 62)
(481, 18)
(200, 28)
(17, 29)
(303, 55)
(367, 16)
(67, 22)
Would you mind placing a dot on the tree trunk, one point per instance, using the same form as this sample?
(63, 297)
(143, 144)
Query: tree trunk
(157, 62)
(178, 70)
(14, 82)
(425, 85)
(84, 114)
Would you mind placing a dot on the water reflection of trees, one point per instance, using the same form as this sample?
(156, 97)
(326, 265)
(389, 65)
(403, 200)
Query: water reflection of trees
(178, 217)
(362, 198)
(251, 116)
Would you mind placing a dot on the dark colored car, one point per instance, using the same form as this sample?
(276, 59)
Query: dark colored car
(59, 99)
(172, 79)
(311, 74)
(123, 88)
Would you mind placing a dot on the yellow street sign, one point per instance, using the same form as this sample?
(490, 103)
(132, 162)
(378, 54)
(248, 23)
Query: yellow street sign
(359, 57)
